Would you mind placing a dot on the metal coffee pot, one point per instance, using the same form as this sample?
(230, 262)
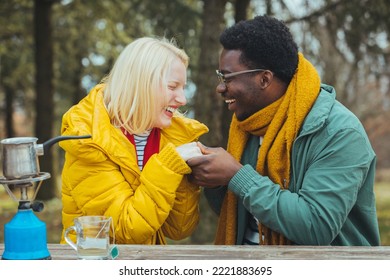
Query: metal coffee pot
(20, 155)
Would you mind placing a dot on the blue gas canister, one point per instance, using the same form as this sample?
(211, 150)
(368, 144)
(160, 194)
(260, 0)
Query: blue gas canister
(25, 237)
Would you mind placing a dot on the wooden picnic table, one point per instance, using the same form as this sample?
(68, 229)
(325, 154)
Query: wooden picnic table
(212, 252)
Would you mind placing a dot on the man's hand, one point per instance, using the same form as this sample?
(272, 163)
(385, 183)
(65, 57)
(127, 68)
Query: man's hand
(214, 168)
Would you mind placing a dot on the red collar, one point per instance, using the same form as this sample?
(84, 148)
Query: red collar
(153, 143)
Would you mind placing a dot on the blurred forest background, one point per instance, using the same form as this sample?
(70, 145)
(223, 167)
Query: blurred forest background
(53, 51)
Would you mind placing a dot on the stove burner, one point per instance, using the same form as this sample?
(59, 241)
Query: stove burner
(25, 187)
(42, 176)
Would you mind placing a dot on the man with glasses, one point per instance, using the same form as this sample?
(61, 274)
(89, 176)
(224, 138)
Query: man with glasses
(299, 167)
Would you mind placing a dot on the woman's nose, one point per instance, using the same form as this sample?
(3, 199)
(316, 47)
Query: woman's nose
(181, 98)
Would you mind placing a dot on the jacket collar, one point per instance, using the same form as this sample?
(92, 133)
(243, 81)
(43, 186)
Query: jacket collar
(112, 140)
(320, 111)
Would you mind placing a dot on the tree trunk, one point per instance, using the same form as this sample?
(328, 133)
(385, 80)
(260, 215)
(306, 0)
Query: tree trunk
(240, 13)
(208, 105)
(44, 89)
(9, 111)
(241, 10)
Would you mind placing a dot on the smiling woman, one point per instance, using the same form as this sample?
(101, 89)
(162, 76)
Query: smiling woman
(133, 169)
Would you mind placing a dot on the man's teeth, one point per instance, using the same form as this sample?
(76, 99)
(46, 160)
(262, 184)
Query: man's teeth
(230, 101)
(170, 109)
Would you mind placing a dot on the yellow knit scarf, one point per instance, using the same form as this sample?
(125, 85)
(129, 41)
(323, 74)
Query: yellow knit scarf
(279, 123)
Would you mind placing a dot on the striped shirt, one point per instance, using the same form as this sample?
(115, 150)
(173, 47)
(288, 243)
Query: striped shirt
(140, 141)
(251, 236)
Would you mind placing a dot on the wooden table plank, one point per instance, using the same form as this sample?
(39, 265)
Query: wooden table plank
(211, 252)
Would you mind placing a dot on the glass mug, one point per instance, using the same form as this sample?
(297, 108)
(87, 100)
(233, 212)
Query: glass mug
(92, 237)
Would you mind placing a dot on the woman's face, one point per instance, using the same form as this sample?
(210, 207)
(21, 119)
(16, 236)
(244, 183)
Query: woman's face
(174, 94)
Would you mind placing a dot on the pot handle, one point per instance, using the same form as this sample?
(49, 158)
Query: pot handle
(46, 145)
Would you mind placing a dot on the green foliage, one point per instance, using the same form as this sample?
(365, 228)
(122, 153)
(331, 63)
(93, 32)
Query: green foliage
(382, 191)
(16, 45)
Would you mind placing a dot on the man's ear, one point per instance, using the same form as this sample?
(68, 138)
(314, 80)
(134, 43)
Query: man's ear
(266, 79)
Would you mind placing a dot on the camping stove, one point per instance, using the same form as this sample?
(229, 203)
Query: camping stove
(25, 235)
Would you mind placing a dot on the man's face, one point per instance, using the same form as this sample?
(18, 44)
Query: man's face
(242, 93)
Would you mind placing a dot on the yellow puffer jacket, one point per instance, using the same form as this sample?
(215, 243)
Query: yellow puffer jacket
(101, 177)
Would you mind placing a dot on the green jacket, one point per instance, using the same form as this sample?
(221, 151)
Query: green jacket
(101, 177)
(330, 199)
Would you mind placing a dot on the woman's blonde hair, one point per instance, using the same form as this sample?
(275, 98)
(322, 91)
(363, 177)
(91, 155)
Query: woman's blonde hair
(133, 87)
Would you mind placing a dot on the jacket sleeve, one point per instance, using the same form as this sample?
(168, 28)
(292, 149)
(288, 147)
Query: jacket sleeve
(316, 211)
(158, 197)
(184, 217)
(138, 208)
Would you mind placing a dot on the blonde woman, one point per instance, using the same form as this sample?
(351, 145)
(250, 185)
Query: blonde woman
(133, 169)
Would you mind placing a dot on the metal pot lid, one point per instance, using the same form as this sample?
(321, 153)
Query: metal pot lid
(19, 140)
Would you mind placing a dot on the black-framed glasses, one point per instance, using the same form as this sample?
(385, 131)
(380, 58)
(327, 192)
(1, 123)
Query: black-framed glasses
(222, 77)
